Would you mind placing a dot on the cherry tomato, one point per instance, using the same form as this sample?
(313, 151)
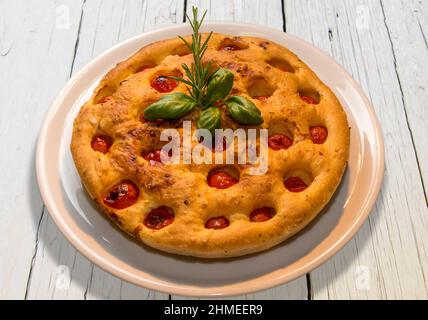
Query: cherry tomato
(122, 196)
(164, 84)
(101, 143)
(217, 223)
(221, 180)
(159, 218)
(318, 134)
(309, 99)
(285, 68)
(262, 214)
(230, 47)
(279, 141)
(295, 184)
(154, 155)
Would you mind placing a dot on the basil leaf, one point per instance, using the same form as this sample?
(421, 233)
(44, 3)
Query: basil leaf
(210, 119)
(244, 111)
(171, 106)
(219, 86)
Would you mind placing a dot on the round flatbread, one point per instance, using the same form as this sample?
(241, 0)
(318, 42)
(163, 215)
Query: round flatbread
(209, 210)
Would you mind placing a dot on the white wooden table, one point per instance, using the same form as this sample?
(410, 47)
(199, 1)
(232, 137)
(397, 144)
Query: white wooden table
(382, 43)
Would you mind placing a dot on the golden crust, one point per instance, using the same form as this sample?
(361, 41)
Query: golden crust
(185, 189)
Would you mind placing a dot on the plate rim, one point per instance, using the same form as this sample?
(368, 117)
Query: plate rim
(187, 290)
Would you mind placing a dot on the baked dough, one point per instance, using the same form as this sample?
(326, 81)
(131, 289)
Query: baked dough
(261, 68)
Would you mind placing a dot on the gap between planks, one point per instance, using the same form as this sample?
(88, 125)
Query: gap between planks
(284, 27)
(402, 95)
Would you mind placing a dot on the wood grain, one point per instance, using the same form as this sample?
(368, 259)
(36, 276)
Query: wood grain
(103, 24)
(267, 13)
(391, 246)
(382, 43)
(407, 26)
(35, 59)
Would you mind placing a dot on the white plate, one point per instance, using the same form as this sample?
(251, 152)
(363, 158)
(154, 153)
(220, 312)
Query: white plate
(86, 228)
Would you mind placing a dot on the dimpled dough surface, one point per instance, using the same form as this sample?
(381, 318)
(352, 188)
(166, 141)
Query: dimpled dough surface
(261, 68)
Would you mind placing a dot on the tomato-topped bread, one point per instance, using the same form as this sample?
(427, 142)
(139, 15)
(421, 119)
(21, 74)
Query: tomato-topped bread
(210, 210)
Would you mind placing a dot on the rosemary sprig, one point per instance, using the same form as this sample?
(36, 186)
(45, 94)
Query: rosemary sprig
(205, 87)
(199, 74)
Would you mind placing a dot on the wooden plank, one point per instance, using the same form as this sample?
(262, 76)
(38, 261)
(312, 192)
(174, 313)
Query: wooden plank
(262, 12)
(267, 13)
(387, 258)
(59, 271)
(407, 25)
(35, 57)
(391, 246)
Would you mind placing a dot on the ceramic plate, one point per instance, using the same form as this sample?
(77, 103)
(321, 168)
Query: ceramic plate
(102, 243)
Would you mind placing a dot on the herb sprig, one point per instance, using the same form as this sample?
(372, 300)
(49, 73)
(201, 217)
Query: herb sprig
(205, 86)
(199, 74)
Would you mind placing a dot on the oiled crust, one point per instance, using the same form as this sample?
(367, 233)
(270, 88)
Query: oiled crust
(184, 188)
